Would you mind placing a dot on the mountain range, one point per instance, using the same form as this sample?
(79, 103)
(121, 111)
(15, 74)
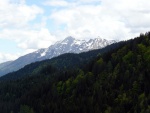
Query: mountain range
(114, 79)
(68, 45)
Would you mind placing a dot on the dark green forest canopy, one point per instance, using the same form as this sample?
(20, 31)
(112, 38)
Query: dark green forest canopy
(117, 81)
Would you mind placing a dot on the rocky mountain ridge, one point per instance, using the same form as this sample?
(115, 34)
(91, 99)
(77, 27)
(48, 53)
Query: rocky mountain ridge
(68, 45)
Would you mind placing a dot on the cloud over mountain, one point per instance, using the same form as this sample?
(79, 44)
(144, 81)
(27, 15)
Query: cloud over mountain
(37, 24)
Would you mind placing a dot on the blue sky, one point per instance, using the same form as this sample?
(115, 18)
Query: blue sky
(28, 25)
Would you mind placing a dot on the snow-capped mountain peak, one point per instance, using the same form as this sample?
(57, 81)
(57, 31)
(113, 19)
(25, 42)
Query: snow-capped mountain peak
(68, 40)
(68, 45)
(72, 45)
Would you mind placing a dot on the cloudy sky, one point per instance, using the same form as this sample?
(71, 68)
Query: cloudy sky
(27, 25)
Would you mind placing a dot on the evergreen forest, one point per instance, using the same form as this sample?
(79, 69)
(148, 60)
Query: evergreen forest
(115, 79)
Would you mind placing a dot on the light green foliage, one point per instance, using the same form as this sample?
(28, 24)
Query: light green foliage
(122, 99)
(68, 85)
(100, 61)
(26, 109)
(59, 87)
(143, 103)
(135, 87)
(128, 57)
(147, 55)
(79, 77)
(141, 48)
(108, 110)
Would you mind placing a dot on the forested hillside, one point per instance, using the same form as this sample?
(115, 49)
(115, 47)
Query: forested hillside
(117, 81)
(63, 62)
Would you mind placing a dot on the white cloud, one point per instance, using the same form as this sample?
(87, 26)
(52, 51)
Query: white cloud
(8, 57)
(88, 1)
(57, 3)
(29, 39)
(110, 19)
(18, 23)
(17, 14)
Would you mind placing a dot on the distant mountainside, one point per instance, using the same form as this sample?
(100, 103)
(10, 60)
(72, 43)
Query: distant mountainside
(116, 80)
(68, 45)
(61, 62)
(5, 64)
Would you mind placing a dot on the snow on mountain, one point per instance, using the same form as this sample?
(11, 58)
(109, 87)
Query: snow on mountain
(72, 45)
(68, 45)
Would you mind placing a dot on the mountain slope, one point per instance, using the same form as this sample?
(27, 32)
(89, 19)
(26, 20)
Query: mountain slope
(2, 65)
(68, 45)
(115, 82)
(62, 62)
